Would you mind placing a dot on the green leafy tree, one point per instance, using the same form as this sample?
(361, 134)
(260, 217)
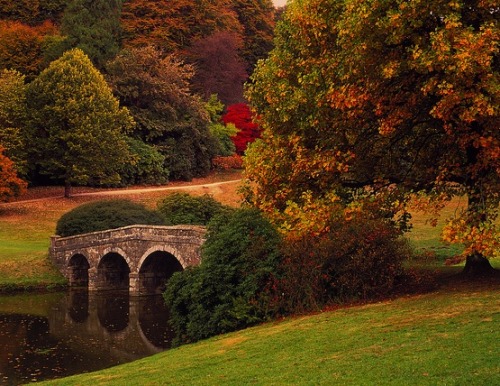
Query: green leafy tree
(222, 132)
(374, 101)
(257, 18)
(77, 125)
(148, 166)
(13, 118)
(155, 88)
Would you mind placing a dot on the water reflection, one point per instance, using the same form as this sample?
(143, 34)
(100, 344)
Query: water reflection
(77, 332)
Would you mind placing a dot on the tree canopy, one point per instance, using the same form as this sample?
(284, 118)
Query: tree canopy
(156, 90)
(22, 46)
(375, 101)
(94, 27)
(219, 67)
(77, 125)
(173, 25)
(13, 117)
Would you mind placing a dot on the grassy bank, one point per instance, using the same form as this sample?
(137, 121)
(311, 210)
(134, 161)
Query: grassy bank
(449, 337)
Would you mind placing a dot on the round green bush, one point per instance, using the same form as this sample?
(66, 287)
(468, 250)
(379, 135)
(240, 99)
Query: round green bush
(182, 208)
(102, 215)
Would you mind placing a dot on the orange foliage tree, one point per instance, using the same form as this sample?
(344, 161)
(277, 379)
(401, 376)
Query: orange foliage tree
(172, 25)
(369, 102)
(21, 46)
(11, 185)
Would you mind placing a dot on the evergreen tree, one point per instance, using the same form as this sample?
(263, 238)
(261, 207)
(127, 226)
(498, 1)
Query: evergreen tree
(94, 27)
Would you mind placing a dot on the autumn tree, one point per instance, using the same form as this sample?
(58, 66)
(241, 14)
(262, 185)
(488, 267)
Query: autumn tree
(219, 68)
(156, 90)
(77, 125)
(11, 185)
(173, 25)
(22, 46)
(241, 116)
(257, 18)
(13, 118)
(374, 102)
(32, 11)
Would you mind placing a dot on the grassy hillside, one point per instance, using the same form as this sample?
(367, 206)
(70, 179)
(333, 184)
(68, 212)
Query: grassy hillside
(449, 337)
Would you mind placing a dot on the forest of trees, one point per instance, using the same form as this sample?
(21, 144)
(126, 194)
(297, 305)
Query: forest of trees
(119, 92)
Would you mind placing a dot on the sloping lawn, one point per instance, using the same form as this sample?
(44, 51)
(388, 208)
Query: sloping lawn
(449, 337)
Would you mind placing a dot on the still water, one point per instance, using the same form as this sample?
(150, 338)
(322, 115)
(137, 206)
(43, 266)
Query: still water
(55, 335)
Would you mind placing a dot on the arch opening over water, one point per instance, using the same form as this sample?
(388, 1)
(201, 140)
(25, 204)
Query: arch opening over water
(113, 273)
(155, 271)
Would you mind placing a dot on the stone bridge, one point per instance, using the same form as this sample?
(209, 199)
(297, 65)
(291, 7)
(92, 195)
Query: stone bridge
(140, 258)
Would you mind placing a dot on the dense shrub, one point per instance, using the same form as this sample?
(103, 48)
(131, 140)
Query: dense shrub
(182, 208)
(102, 215)
(356, 259)
(223, 294)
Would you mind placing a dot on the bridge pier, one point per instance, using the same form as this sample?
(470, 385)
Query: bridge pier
(92, 279)
(134, 283)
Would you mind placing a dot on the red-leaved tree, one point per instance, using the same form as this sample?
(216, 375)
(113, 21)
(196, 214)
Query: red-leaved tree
(240, 115)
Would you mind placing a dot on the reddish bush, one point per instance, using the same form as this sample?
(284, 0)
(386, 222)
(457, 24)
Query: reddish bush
(240, 115)
(225, 163)
(356, 259)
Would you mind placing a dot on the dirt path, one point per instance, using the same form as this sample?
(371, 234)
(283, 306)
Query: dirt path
(126, 191)
(213, 183)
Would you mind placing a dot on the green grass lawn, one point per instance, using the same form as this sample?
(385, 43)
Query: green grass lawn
(448, 337)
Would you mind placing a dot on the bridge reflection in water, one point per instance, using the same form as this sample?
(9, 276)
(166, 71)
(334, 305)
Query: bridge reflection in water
(129, 326)
(83, 331)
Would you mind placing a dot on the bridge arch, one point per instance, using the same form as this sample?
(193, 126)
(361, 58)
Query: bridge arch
(113, 270)
(163, 248)
(155, 269)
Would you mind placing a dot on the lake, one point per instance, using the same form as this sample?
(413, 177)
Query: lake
(47, 336)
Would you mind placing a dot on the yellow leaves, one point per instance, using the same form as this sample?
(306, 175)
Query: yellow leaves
(347, 96)
(390, 69)
(484, 239)
(310, 214)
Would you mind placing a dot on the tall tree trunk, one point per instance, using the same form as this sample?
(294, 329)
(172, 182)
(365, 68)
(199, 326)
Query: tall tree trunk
(67, 189)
